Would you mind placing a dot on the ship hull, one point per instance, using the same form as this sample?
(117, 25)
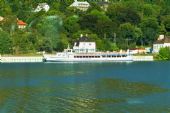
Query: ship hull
(54, 59)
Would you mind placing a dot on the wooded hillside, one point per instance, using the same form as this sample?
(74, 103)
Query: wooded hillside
(125, 24)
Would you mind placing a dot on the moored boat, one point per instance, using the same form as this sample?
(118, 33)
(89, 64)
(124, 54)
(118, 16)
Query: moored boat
(85, 51)
(69, 56)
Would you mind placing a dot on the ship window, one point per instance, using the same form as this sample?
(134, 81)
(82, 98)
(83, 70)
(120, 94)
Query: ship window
(118, 56)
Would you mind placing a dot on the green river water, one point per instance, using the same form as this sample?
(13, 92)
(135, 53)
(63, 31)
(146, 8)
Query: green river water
(137, 87)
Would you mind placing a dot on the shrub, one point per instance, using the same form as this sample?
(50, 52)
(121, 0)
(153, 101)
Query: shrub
(164, 53)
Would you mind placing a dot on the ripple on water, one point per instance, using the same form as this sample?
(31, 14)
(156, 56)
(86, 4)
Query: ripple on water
(63, 89)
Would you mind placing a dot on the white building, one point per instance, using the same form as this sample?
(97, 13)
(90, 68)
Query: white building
(83, 45)
(21, 24)
(1, 18)
(80, 5)
(104, 4)
(161, 42)
(42, 6)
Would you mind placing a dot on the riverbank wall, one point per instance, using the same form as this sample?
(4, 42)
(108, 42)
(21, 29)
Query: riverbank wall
(27, 59)
(20, 59)
(143, 58)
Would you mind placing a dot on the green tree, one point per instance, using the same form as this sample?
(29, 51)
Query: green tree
(98, 22)
(164, 53)
(10, 24)
(5, 8)
(45, 45)
(5, 43)
(64, 5)
(166, 22)
(129, 34)
(150, 28)
(150, 10)
(71, 24)
(49, 27)
(105, 27)
(63, 43)
(21, 43)
(94, 6)
(123, 14)
(89, 22)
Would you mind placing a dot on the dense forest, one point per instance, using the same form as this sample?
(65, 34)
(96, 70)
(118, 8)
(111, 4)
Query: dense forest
(125, 24)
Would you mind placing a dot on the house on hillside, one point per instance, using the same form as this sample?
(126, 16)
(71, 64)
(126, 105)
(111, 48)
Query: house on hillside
(42, 6)
(21, 24)
(161, 42)
(104, 4)
(84, 45)
(83, 6)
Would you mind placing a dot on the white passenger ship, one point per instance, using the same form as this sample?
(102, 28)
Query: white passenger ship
(85, 51)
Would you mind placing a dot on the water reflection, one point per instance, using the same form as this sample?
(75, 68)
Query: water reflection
(73, 98)
(66, 90)
(131, 88)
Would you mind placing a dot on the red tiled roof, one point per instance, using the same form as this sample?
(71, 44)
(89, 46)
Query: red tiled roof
(20, 22)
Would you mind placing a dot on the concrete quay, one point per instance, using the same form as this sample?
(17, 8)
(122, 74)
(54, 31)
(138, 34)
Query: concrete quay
(20, 59)
(143, 58)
